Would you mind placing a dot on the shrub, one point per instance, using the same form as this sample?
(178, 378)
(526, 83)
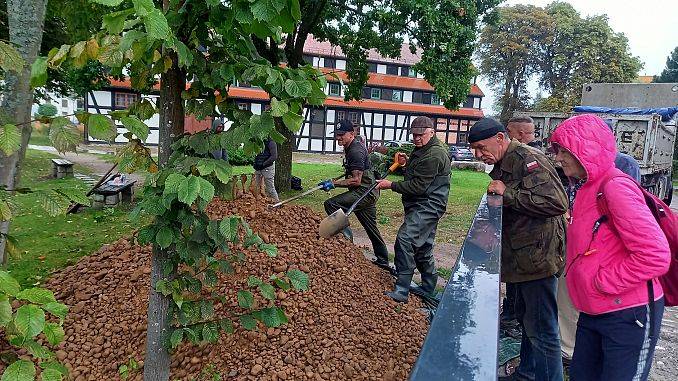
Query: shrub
(238, 157)
(47, 109)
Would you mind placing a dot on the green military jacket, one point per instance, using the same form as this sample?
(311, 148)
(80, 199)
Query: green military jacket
(533, 224)
(427, 177)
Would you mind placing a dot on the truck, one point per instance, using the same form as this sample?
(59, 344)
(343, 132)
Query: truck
(641, 123)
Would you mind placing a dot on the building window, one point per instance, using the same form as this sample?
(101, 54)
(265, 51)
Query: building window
(341, 115)
(317, 124)
(469, 102)
(354, 117)
(243, 106)
(426, 98)
(386, 94)
(375, 93)
(371, 67)
(124, 100)
(404, 71)
(434, 99)
(308, 59)
(335, 89)
(392, 69)
(80, 104)
(416, 96)
(412, 73)
(330, 63)
(367, 92)
(397, 96)
(64, 102)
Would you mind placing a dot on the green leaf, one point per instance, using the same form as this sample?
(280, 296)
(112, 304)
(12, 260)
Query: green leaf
(267, 291)
(206, 309)
(280, 283)
(228, 229)
(143, 7)
(146, 235)
(129, 38)
(293, 121)
(206, 189)
(37, 295)
(184, 54)
(75, 195)
(270, 250)
(54, 333)
(299, 279)
(63, 135)
(223, 172)
(245, 299)
(165, 237)
(176, 337)
(51, 375)
(37, 350)
(248, 322)
(53, 202)
(29, 320)
(10, 139)
(20, 370)
(188, 190)
(278, 108)
(295, 9)
(8, 284)
(114, 22)
(172, 183)
(59, 310)
(54, 366)
(135, 126)
(5, 312)
(273, 317)
(253, 281)
(101, 127)
(156, 25)
(143, 109)
(226, 325)
(263, 10)
(297, 89)
(10, 59)
(206, 166)
(111, 56)
(210, 332)
(110, 3)
(39, 72)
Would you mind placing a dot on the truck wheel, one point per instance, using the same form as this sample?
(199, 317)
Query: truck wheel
(669, 192)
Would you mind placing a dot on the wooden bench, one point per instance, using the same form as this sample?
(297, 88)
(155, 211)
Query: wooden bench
(110, 195)
(61, 168)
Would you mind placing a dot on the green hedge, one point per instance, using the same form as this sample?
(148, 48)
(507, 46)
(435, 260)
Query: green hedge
(238, 157)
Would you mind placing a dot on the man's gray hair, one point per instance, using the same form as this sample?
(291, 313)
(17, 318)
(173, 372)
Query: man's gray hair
(521, 119)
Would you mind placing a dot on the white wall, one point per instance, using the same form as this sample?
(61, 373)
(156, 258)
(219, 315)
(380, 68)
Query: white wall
(381, 69)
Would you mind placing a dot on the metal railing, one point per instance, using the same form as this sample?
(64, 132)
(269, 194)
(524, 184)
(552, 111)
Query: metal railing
(463, 340)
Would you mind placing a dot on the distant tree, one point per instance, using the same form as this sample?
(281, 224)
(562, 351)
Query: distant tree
(670, 73)
(507, 54)
(47, 109)
(581, 50)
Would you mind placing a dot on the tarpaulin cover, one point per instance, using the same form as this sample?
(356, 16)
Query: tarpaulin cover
(666, 113)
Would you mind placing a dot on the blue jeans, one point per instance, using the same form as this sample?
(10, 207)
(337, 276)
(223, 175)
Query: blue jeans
(617, 345)
(537, 312)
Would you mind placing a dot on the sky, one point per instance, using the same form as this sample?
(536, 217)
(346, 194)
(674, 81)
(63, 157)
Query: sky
(650, 25)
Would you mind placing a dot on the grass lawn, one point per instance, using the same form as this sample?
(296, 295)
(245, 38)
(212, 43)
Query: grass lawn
(48, 243)
(465, 194)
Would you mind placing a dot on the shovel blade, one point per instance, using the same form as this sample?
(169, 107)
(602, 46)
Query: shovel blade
(333, 224)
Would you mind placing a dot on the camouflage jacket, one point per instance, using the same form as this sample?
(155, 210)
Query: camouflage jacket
(533, 225)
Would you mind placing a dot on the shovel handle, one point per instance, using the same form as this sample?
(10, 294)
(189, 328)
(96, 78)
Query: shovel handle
(391, 169)
(281, 203)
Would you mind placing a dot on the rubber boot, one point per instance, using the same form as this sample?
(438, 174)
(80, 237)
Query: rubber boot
(402, 288)
(429, 282)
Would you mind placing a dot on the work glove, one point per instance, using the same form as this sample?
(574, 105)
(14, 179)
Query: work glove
(326, 185)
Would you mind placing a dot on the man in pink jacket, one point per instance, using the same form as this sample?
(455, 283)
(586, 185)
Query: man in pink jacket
(610, 259)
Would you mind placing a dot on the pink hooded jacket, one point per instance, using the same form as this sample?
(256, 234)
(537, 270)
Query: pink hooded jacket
(608, 271)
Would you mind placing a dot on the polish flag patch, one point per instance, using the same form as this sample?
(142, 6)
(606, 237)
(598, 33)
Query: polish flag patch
(531, 166)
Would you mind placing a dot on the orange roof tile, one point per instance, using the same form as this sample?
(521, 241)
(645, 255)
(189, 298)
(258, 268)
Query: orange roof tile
(368, 104)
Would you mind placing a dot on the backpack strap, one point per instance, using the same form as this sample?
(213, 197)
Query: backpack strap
(604, 210)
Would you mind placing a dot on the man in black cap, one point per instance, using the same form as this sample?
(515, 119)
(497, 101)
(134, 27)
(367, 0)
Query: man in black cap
(359, 177)
(424, 194)
(533, 242)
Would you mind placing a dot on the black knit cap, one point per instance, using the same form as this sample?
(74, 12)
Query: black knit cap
(483, 129)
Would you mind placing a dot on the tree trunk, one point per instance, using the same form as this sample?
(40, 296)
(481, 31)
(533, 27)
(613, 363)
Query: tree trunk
(283, 166)
(26, 20)
(157, 361)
